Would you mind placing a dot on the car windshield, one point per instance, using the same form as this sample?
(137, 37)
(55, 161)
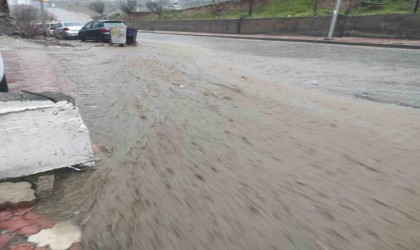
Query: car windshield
(72, 24)
(114, 24)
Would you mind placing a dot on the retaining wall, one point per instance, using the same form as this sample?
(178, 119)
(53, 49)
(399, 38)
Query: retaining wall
(403, 26)
(388, 26)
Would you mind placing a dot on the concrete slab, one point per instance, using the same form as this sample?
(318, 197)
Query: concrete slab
(41, 132)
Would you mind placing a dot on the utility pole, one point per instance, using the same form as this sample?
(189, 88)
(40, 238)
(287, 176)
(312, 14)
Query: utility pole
(333, 20)
(43, 18)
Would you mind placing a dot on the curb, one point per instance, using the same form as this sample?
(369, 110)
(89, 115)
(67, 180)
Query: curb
(246, 37)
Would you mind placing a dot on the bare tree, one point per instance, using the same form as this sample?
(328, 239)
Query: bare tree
(350, 6)
(416, 6)
(216, 9)
(251, 5)
(97, 6)
(155, 7)
(316, 3)
(128, 6)
(25, 16)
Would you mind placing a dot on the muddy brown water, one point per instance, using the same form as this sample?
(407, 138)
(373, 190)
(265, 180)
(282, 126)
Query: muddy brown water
(208, 147)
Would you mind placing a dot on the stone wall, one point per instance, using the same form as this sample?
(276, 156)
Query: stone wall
(229, 26)
(316, 26)
(405, 26)
(388, 26)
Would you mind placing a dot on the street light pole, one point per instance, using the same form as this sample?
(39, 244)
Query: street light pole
(333, 20)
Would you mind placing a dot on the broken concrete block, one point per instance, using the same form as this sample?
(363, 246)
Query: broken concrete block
(19, 194)
(44, 186)
(60, 237)
(41, 132)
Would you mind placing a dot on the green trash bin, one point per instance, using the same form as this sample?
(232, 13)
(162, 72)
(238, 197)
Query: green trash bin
(131, 36)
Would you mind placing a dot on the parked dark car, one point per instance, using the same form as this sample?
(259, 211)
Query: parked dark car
(99, 30)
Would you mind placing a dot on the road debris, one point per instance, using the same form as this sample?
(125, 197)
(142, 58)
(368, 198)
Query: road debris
(44, 186)
(60, 237)
(15, 195)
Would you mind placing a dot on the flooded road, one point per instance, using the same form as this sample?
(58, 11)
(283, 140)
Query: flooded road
(209, 143)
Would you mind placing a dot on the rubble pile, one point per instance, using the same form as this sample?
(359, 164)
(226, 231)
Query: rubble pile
(22, 229)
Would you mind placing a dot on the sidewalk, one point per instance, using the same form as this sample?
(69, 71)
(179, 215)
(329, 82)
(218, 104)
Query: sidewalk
(41, 128)
(355, 41)
(32, 70)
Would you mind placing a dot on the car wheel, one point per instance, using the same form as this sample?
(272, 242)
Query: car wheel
(98, 38)
(82, 38)
(3, 85)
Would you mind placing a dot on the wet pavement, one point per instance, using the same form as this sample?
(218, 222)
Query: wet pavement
(32, 71)
(211, 143)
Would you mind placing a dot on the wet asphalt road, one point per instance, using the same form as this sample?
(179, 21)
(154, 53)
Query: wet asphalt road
(209, 143)
(385, 75)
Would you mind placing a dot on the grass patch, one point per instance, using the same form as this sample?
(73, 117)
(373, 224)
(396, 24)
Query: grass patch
(280, 8)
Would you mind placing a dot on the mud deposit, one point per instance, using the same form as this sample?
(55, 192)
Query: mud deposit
(215, 145)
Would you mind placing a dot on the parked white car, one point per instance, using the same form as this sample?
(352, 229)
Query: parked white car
(66, 30)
